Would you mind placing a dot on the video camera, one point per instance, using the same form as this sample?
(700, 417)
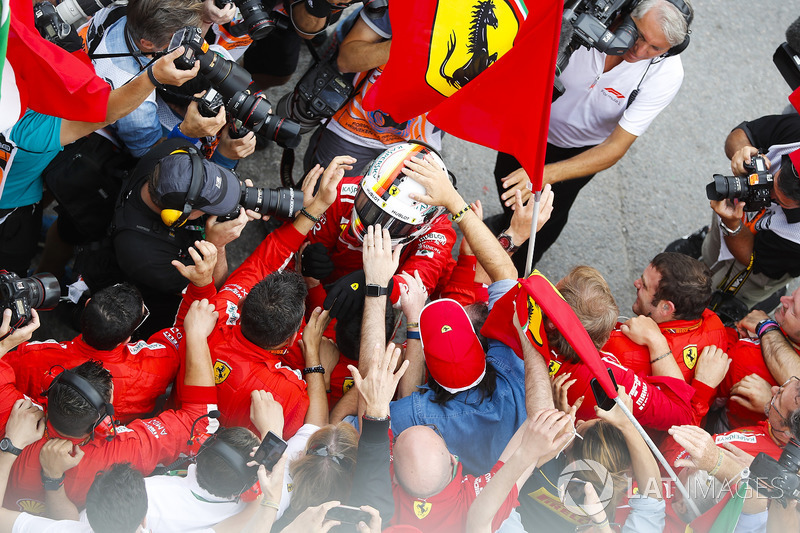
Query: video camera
(754, 188)
(257, 21)
(40, 291)
(778, 480)
(231, 81)
(787, 56)
(587, 23)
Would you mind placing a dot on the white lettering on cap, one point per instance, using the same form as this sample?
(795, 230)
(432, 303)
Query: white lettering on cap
(218, 182)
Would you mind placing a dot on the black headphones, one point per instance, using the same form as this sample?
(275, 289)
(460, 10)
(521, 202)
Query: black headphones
(681, 6)
(89, 393)
(172, 217)
(247, 475)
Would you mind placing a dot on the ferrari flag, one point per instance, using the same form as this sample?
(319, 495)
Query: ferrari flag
(534, 298)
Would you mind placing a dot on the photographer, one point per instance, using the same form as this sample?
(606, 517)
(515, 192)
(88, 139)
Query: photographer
(36, 139)
(609, 102)
(139, 31)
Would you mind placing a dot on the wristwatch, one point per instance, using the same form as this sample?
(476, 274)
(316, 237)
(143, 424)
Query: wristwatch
(728, 232)
(7, 446)
(507, 242)
(377, 290)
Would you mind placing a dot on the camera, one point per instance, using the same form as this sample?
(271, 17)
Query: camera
(754, 188)
(282, 202)
(40, 291)
(52, 27)
(230, 81)
(588, 23)
(256, 21)
(778, 480)
(320, 93)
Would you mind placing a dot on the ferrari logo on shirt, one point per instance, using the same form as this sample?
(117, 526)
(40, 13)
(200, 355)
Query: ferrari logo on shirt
(467, 37)
(221, 372)
(446, 328)
(421, 509)
(690, 356)
(348, 384)
(553, 367)
(354, 286)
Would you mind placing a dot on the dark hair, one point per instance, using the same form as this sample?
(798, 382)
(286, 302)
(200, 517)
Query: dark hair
(348, 331)
(157, 20)
(485, 388)
(68, 411)
(273, 309)
(685, 281)
(111, 316)
(605, 444)
(478, 313)
(117, 500)
(788, 181)
(214, 474)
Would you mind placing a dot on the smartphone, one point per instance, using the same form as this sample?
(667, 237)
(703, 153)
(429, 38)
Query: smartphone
(270, 450)
(348, 515)
(604, 402)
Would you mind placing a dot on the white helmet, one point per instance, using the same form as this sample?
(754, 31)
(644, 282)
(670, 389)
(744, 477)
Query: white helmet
(383, 197)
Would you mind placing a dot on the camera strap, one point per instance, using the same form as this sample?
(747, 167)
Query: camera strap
(731, 285)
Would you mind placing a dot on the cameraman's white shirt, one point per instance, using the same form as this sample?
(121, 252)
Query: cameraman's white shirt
(28, 523)
(595, 102)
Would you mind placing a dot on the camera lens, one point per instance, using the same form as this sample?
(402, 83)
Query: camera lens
(283, 131)
(250, 109)
(283, 201)
(256, 19)
(289, 106)
(44, 289)
(726, 187)
(790, 457)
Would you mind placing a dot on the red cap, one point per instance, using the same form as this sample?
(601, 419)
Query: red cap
(453, 354)
(795, 157)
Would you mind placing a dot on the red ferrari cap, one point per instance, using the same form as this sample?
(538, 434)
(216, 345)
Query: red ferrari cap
(453, 354)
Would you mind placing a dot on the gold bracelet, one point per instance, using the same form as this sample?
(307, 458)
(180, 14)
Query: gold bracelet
(271, 505)
(718, 465)
(457, 217)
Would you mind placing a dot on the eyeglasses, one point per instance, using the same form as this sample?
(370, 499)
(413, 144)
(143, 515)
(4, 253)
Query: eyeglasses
(145, 314)
(784, 420)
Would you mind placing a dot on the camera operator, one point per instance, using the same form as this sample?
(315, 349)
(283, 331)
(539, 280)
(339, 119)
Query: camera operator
(35, 140)
(609, 102)
(146, 240)
(353, 130)
(140, 30)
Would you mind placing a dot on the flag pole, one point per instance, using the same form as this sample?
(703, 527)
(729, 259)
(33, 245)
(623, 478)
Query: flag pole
(532, 239)
(659, 456)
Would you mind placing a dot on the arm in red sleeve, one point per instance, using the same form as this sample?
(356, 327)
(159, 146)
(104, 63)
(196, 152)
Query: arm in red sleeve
(191, 294)
(429, 255)
(8, 393)
(461, 285)
(701, 401)
(658, 402)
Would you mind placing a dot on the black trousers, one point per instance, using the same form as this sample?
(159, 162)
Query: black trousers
(565, 194)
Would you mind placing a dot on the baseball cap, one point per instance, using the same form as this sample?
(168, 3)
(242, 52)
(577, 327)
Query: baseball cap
(219, 194)
(453, 353)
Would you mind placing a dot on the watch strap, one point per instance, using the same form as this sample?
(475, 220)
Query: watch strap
(319, 369)
(376, 290)
(50, 483)
(7, 446)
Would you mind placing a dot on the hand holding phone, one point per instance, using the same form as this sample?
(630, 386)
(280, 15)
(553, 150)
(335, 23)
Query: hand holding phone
(270, 450)
(348, 515)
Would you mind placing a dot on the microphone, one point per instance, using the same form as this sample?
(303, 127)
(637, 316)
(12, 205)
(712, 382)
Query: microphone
(211, 414)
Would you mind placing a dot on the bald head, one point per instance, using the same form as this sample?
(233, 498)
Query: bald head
(422, 463)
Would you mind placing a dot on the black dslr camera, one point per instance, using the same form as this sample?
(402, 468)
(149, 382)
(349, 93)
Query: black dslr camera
(231, 82)
(40, 291)
(51, 26)
(778, 480)
(320, 93)
(587, 23)
(256, 21)
(754, 188)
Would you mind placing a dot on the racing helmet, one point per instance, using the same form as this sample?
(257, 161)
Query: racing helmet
(383, 197)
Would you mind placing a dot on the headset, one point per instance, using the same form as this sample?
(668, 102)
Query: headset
(89, 393)
(172, 217)
(688, 15)
(247, 475)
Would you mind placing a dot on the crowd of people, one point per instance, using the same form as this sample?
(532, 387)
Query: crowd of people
(395, 377)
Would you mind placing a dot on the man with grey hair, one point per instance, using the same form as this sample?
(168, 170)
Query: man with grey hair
(608, 102)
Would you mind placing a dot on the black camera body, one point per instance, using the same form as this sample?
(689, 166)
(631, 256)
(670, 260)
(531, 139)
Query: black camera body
(52, 27)
(282, 202)
(40, 291)
(320, 93)
(231, 82)
(754, 188)
(210, 103)
(778, 480)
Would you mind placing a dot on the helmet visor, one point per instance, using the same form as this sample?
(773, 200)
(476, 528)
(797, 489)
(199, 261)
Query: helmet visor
(366, 213)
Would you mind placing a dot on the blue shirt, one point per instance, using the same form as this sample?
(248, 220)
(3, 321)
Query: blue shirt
(475, 428)
(25, 150)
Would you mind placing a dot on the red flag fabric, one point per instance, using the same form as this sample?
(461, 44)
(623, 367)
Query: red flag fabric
(438, 46)
(51, 80)
(507, 108)
(794, 99)
(543, 299)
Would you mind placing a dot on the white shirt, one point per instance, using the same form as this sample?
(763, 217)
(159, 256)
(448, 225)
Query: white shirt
(294, 450)
(595, 101)
(28, 523)
(178, 504)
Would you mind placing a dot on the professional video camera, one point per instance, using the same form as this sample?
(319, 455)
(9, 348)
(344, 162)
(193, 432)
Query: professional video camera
(778, 480)
(231, 81)
(54, 23)
(754, 188)
(40, 291)
(318, 95)
(787, 56)
(587, 23)
(257, 21)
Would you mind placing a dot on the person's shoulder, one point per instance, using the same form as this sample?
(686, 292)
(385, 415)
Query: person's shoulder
(666, 68)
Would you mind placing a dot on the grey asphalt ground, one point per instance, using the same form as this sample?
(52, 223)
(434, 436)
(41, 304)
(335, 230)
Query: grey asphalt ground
(656, 193)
